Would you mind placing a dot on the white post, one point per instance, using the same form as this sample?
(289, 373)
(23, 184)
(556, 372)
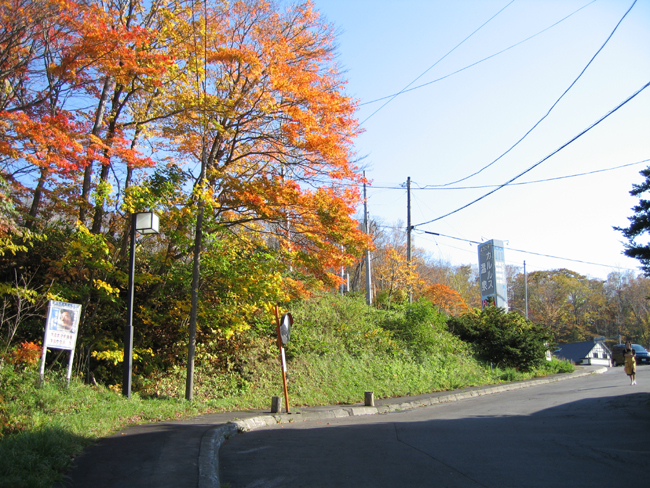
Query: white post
(42, 367)
(69, 373)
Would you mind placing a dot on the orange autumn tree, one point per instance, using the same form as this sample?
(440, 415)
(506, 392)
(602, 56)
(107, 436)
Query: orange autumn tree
(37, 133)
(131, 53)
(71, 72)
(269, 128)
(266, 118)
(75, 81)
(445, 299)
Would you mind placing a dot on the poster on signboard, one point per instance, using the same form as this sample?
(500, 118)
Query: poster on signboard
(61, 325)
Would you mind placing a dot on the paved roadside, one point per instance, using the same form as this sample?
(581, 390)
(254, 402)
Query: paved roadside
(185, 453)
(556, 434)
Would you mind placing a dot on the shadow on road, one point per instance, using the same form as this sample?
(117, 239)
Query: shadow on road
(153, 455)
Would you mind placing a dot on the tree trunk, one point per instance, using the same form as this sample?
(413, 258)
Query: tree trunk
(88, 171)
(38, 194)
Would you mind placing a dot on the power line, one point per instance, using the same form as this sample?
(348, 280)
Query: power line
(527, 252)
(568, 259)
(534, 181)
(434, 64)
(552, 106)
(478, 187)
(449, 237)
(406, 90)
(542, 160)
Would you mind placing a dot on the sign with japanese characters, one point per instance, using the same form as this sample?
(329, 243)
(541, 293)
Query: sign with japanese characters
(61, 325)
(492, 274)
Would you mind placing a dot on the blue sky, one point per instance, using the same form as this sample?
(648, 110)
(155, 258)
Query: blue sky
(452, 128)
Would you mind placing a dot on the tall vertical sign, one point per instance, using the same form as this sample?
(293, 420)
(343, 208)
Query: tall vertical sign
(492, 270)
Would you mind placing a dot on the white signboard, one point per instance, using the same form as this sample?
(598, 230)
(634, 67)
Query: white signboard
(61, 325)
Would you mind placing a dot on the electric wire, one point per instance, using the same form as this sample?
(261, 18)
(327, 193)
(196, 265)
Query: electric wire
(406, 90)
(416, 201)
(461, 249)
(575, 138)
(568, 259)
(396, 186)
(527, 252)
(552, 106)
(435, 241)
(434, 64)
(546, 180)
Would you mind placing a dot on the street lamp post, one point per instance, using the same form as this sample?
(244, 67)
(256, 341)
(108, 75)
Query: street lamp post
(145, 223)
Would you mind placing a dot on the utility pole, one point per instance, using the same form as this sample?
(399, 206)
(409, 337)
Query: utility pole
(408, 232)
(526, 288)
(367, 229)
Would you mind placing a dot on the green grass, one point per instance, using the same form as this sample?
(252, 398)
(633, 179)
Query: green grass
(43, 429)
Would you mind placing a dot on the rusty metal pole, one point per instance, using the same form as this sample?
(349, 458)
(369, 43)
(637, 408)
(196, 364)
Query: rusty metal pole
(282, 360)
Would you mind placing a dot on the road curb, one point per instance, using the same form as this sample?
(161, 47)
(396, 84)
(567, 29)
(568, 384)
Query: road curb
(215, 437)
(209, 454)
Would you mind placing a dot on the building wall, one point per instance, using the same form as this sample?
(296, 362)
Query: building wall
(598, 356)
(596, 362)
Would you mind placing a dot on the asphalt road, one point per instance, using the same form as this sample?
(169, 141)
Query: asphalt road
(591, 431)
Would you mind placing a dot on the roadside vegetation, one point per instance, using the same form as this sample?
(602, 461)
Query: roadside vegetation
(339, 348)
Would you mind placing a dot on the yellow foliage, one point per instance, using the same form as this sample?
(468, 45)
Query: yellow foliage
(105, 287)
(116, 356)
(113, 356)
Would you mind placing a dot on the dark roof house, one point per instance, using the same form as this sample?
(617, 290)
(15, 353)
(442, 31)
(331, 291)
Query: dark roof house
(588, 352)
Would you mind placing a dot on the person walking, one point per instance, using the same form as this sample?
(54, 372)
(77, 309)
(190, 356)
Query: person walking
(630, 362)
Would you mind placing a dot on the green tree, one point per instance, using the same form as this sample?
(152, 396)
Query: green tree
(419, 329)
(628, 306)
(639, 224)
(568, 303)
(506, 339)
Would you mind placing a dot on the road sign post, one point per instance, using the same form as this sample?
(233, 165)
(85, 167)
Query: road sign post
(283, 329)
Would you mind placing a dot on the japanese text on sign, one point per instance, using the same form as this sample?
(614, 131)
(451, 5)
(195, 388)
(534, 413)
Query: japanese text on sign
(492, 274)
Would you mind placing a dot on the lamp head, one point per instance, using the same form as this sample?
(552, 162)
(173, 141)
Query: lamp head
(146, 223)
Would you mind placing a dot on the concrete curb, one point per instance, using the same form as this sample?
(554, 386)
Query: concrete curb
(209, 454)
(214, 438)
(253, 423)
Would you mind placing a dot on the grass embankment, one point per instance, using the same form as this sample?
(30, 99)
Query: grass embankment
(338, 349)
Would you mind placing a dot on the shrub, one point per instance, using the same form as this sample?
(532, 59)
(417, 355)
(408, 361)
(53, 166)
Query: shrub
(506, 339)
(420, 328)
(330, 324)
(24, 355)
